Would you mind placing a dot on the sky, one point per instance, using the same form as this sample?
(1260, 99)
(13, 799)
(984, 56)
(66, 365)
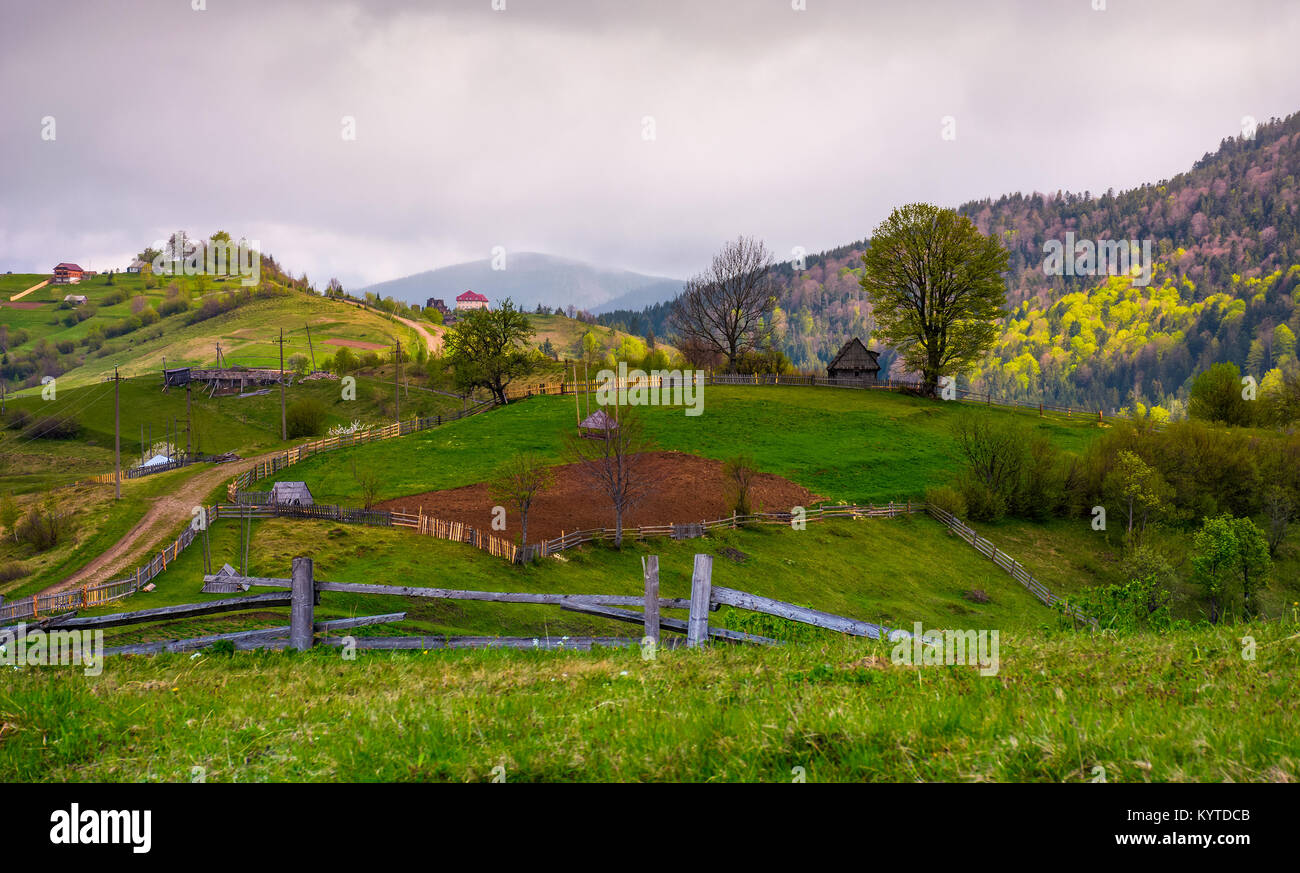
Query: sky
(368, 141)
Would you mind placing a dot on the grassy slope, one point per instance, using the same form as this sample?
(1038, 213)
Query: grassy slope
(94, 522)
(850, 445)
(566, 335)
(1180, 707)
(247, 337)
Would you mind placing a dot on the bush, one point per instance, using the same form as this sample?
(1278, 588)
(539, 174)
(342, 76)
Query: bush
(1216, 397)
(171, 306)
(40, 528)
(17, 419)
(12, 570)
(982, 502)
(51, 428)
(948, 499)
(305, 417)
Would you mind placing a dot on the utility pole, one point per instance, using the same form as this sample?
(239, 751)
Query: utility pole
(284, 427)
(117, 434)
(142, 448)
(397, 391)
(187, 418)
(310, 349)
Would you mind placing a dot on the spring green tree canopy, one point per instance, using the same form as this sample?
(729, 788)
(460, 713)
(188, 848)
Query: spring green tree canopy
(487, 348)
(936, 289)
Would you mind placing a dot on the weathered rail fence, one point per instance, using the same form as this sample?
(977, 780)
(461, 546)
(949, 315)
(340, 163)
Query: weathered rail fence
(304, 631)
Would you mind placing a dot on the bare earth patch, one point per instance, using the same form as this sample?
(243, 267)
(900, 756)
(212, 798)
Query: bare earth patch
(689, 489)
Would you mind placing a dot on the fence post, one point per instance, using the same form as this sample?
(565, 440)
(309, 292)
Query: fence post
(302, 605)
(650, 569)
(697, 626)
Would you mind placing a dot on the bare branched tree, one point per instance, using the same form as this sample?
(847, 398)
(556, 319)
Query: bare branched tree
(614, 462)
(517, 482)
(738, 475)
(727, 309)
(368, 481)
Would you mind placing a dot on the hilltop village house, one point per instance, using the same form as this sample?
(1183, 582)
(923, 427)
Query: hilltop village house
(855, 361)
(74, 299)
(67, 274)
(471, 300)
(441, 306)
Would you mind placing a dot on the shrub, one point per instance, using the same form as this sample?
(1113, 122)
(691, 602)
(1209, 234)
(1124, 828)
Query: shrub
(344, 361)
(17, 419)
(51, 428)
(40, 528)
(1216, 397)
(172, 305)
(12, 570)
(738, 475)
(948, 499)
(305, 417)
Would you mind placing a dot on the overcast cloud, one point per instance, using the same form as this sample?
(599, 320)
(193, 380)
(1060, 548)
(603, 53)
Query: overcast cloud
(523, 128)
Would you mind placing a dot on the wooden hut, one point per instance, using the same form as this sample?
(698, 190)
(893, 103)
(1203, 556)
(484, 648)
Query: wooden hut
(291, 494)
(855, 361)
(597, 425)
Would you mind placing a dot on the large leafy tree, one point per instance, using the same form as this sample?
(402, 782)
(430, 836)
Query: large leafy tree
(936, 289)
(487, 348)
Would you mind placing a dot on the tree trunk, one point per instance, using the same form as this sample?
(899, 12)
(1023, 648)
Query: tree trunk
(618, 526)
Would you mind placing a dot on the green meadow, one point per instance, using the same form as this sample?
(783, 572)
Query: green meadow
(845, 445)
(1062, 707)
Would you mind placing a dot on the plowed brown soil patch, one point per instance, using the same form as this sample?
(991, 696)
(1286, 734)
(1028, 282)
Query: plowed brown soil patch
(688, 489)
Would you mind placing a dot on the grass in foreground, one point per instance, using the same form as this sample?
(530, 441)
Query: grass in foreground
(1063, 708)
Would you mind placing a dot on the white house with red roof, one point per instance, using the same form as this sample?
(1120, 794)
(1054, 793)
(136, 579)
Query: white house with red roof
(471, 300)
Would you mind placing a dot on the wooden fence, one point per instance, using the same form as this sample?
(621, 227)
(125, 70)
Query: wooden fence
(305, 591)
(1009, 564)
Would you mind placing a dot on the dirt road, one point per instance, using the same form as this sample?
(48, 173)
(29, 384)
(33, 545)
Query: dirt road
(160, 525)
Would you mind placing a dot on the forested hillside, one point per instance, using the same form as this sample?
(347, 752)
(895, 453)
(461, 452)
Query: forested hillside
(1224, 236)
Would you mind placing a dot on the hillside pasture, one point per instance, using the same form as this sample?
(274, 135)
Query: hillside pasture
(844, 445)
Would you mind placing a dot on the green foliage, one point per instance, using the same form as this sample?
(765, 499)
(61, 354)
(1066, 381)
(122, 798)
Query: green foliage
(487, 348)
(947, 498)
(1229, 552)
(344, 361)
(936, 289)
(305, 417)
(1141, 490)
(1216, 396)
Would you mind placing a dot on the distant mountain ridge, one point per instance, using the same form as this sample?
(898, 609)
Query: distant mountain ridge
(530, 278)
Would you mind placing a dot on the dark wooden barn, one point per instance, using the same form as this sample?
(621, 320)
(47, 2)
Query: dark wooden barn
(855, 361)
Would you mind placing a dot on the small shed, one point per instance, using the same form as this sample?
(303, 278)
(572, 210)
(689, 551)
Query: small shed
(855, 361)
(290, 494)
(597, 425)
(75, 299)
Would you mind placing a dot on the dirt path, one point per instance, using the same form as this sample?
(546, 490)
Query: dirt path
(160, 524)
(20, 295)
(432, 340)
